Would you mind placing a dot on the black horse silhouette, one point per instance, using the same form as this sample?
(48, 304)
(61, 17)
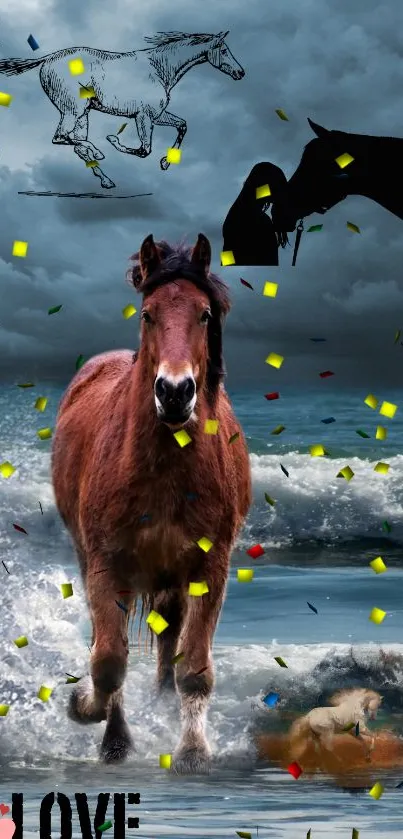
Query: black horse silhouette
(319, 183)
(248, 232)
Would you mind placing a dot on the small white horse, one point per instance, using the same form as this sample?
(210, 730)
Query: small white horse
(321, 724)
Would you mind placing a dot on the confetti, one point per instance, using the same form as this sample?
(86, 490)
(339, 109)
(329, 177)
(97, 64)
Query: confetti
(308, 835)
(4, 809)
(326, 374)
(4, 709)
(129, 311)
(313, 608)
(283, 469)
(255, 551)
(41, 403)
(386, 526)
(346, 473)
(54, 309)
(382, 468)
(182, 438)
(174, 155)
(165, 761)
(397, 336)
(122, 606)
(26, 384)
(177, 658)
(271, 699)
(40, 507)
(362, 433)
(5, 99)
(318, 340)
(157, 623)
(22, 641)
(76, 67)
(376, 791)
(371, 401)
(20, 248)
(105, 826)
(80, 361)
(203, 670)
(387, 409)
(271, 396)
(355, 834)
(233, 437)
(5, 566)
(328, 420)
(91, 164)
(353, 227)
(314, 228)
(295, 770)
(399, 786)
(245, 575)
(205, 544)
(263, 191)
(20, 529)
(377, 615)
(87, 92)
(275, 360)
(211, 426)
(357, 729)
(280, 113)
(122, 128)
(317, 450)
(280, 661)
(243, 834)
(198, 589)
(270, 289)
(7, 469)
(381, 433)
(227, 258)
(44, 433)
(67, 590)
(72, 680)
(248, 285)
(378, 565)
(269, 499)
(278, 429)
(32, 43)
(344, 160)
(44, 693)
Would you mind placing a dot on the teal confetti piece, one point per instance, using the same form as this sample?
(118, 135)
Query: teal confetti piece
(80, 361)
(54, 309)
(362, 434)
(314, 228)
(105, 826)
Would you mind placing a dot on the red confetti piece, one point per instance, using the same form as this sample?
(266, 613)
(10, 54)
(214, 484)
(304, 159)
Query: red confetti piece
(270, 396)
(255, 551)
(20, 529)
(326, 374)
(4, 809)
(248, 285)
(199, 672)
(295, 770)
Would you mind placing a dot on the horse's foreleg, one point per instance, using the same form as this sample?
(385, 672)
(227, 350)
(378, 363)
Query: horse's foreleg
(144, 126)
(99, 696)
(172, 606)
(73, 131)
(194, 674)
(166, 118)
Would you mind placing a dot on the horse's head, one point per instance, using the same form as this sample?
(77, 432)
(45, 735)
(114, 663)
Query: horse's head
(182, 312)
(221, 57)
(319, 182)
(371, 702)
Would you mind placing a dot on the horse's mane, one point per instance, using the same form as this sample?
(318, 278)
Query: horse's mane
(162, 39)
(344, 695)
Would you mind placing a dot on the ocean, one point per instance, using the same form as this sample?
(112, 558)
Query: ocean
(318, 538)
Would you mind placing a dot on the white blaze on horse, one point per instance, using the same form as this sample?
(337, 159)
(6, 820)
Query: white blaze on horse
(320, 725)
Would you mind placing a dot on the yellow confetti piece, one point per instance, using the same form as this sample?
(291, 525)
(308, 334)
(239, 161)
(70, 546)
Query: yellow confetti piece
(243, 834)
(198, 589)
(7, 469)
(376, 791)
(22, 641)
(346, 473)
(157, 623)
(90, 164)
(67, 590)
(205, 544)
(371, 401)
(388, 409)
(45, 693)
(182, 437)
(344, 160)
(355, 834)
(353, 227)
(382, 468)
(20, 248)
(174, 155)
(76, 67)
(129, 311)
(275, 360)
(5, 99)
(381, 433)
(280, 661)
(165, 761)
(211, 426)
(44, 433)
(245, 575)
(270, 289)
(263, 191)
(41, 403)
(377, 615)
(87, 93)
(280, 113)
(4, 709)
(378, 565)
(317, 450)
(227, 258)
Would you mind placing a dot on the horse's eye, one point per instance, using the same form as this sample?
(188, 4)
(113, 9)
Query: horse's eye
(205, 316)
(146, 317)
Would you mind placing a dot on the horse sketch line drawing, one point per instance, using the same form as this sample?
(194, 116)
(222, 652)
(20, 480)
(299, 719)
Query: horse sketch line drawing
(159, 67)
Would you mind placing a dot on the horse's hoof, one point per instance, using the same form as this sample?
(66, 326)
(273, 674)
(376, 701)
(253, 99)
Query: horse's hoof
(164, 163)
(116, 750)
(98, 155)
(77, 711)
(107, 183)
(112, 138)
(193, 761)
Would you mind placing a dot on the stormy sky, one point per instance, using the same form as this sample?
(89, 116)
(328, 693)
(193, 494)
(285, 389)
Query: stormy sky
(338, 62)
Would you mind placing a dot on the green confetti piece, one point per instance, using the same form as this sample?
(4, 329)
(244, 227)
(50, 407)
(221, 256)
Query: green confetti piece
(362, 434)
(280, 113)
(177, 658)
(41, 403)
(243, 834)
(22, 641)
(355, 834)
(80, 361)
(26, 384)
(91, 164)
(269, 499)
(122, 128)
(278, 430)
(397, 336)
(4, 709)
(280, 661)
(353, 227)
(72, 680)
(234, 437)
(54, 309)
(105, 826)
(314, 228)
(386, 526)
(44, 433)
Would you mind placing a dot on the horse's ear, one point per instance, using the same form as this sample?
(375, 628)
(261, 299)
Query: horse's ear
(321, 132)
(201, 254)
(149, 257)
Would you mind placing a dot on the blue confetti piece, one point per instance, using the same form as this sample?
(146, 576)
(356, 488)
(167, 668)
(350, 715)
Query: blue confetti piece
(146, 517)
(192, 496)
(328, 420)
(32, 43)
(399, 786)
(318, 340)
(313, 608)
(271, 699)
(121, 606)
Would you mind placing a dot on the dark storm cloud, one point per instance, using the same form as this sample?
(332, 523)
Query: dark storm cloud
(339, 63)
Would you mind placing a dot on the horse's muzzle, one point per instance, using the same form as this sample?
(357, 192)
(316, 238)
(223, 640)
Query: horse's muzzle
(175, 401)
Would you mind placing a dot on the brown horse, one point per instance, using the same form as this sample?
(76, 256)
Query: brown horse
(122, 485)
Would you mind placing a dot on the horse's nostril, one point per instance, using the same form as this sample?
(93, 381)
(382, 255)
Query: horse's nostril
(160, 388)
(188, 389)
